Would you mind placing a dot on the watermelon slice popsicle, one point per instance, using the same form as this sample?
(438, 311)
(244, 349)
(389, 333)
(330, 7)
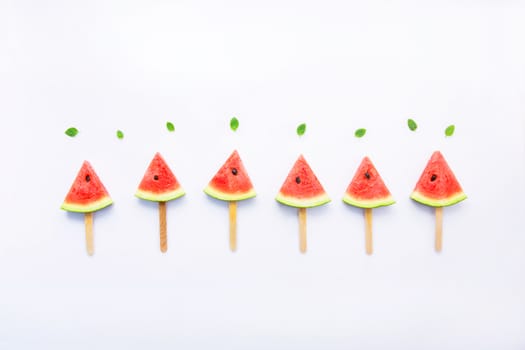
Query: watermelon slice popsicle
(87, 195)
(438, 187)
(367, 190)
(160, 185)
(232, 184)
(302, 190)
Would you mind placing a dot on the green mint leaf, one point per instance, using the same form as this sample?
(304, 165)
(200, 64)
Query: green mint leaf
(120, 134)
(449, 131)
(301, 128)
(412, 124)
(71, 132)
(234, 123)
(170, 127)
(360, 132)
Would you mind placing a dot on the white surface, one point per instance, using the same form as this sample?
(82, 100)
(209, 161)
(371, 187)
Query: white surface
(338, 66)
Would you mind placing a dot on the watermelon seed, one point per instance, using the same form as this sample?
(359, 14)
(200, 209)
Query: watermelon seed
(88, 178)
(156, 177)
(367, 175)
(298, 179)
(433, 178)
(234, 171)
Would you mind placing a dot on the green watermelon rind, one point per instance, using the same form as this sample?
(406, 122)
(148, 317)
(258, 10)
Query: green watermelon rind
(223, 196)
(162, 197)
(368, 203)
(433, 202)
(311, 202)
(87, 208)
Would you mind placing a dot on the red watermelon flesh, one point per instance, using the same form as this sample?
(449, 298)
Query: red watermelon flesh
(231, 183)
(159, 184)
(302, 189)
(87, 193)
(367, 189)
(438, 186)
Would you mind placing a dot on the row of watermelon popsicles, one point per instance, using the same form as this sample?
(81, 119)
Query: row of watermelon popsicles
(437, 187)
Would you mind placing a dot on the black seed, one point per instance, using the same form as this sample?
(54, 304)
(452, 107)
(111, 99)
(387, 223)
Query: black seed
(156, 177)
(367, 175)
(234, 171)
(88, 178)
(298, 179)
(433, 178)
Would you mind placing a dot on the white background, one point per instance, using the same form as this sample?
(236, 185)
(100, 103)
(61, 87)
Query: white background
(338, 66)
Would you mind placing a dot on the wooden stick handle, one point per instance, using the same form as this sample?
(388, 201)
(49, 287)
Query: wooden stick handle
(88, 220)
(302, 230)
(439, 228)
(368, 231)
(233, 225)
(163, 227)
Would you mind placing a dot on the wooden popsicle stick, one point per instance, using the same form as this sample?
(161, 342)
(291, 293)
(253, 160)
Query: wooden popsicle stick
(88, 221)
(163, 227)
(368, 231)
(302, 230)
(439, 228)
(233, 225)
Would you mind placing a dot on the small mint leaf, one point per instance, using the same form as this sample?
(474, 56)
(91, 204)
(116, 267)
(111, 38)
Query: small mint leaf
(301, 128)
(360, 132)
(449, 131)
(71, 132)
(170, 127)
(412, 124)
(234, 123)
(120, 134)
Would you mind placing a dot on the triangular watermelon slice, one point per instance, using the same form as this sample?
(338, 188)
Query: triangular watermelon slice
(159, 184)
(302, 189)
(438, 186)
(87, 193)
(367, 189)
(231, 183)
